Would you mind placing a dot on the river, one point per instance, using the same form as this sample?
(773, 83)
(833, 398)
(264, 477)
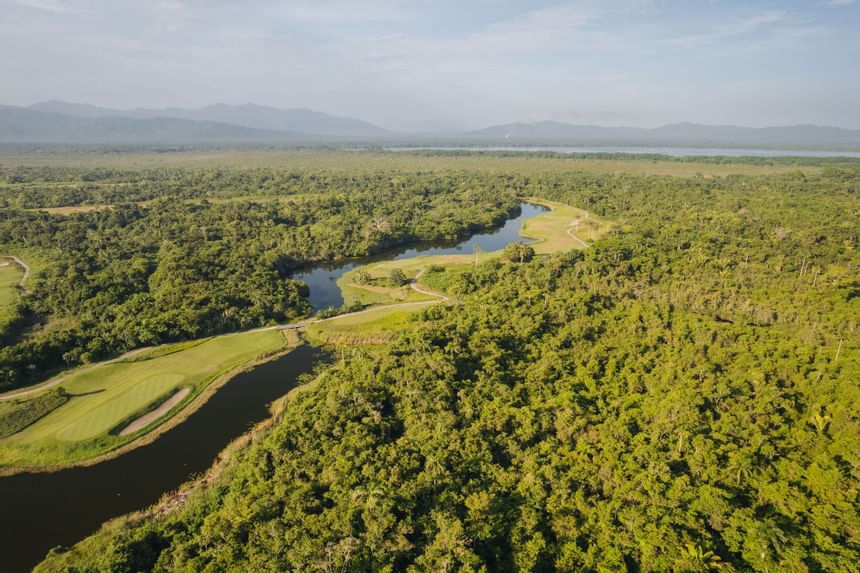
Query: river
(39, 511)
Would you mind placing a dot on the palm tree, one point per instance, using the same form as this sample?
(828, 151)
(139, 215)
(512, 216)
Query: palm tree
(696, 559)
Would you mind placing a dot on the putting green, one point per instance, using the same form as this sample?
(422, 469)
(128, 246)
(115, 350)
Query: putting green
(108, 395)
(106, 415)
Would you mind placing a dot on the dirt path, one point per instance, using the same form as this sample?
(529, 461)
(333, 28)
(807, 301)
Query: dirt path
(21, 264)
(418, 288)
(573, 225)
(150, 417)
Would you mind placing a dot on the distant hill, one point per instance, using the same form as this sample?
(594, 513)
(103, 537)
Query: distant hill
(676, 134)
(58, 121)
(250, 115)
(24, 125)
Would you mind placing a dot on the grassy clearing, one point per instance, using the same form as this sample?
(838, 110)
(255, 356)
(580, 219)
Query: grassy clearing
(107, 397)
(376, 326)
(379, 291)
(72, 210)
(10, 276)
(563, 228)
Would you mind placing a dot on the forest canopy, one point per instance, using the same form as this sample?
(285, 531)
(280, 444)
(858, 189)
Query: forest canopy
(190, 253)
(681, 396)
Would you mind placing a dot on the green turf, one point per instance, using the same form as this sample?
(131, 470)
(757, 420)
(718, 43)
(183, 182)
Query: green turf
(107, 396)
(380, 292)
(375, 326)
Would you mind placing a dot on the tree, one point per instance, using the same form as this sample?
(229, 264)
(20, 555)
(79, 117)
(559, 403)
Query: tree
(363, 277)
(518, 252)
(398, 277)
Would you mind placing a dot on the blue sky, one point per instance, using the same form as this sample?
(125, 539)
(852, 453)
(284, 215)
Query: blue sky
(426, 65)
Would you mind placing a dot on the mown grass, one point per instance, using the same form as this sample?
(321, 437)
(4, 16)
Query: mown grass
(375, 326)
(107, 396)
(379, 291)
(15, 415)
(552, 231)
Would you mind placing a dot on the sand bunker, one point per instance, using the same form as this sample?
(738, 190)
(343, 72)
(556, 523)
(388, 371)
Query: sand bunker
(150, 417)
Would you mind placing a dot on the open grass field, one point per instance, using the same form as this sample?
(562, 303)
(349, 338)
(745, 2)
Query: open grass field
(107, 397)
(563, 228)
(378, 293)
(10, 276)
(375, 326)
(73, 210)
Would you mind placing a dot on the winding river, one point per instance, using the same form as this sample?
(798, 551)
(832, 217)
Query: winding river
(39, 511)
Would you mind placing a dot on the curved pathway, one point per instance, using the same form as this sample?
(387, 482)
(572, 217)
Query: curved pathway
(418, 288)
(57, 380)
(21, 264)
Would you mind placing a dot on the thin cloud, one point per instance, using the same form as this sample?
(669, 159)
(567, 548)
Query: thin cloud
(58, 6)
(736, 28)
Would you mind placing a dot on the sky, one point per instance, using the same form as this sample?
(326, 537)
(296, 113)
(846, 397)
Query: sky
(413, 65)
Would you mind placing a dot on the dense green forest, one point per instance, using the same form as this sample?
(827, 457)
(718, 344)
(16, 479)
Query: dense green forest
(183, 264)
(680, 397)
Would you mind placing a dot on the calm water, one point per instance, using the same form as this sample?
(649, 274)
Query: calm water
(671, 151)
(322, 279)
(43, 510)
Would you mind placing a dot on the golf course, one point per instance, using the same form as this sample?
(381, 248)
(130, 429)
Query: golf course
(105, 398)
(109, 407)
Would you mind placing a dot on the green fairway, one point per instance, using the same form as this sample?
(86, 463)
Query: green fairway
(563, 228)
(107, 397)
(375, 326)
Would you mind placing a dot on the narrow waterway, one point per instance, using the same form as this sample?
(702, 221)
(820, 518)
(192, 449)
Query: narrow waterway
(43, 510)
(39, 511)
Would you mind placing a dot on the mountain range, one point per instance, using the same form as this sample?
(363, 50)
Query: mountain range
(63, 122)
(249, 115)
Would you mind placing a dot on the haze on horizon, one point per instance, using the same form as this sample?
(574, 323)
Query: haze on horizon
(419, 66)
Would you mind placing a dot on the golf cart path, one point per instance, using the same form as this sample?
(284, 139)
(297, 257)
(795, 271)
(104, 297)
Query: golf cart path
(21, 264)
